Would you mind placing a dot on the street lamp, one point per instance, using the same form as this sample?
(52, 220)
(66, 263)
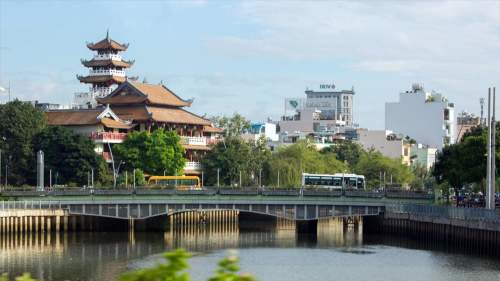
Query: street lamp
(116, 172)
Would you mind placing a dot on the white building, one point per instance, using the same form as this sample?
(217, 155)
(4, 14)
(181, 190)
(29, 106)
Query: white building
(258, 130)
(426, 117)
(386, 142)
(423, 155)
(323, 113)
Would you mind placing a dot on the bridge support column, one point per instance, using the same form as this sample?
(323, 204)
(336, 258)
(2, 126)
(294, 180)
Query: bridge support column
(31, 224)
(65, 223)
(73, 223)
(36, 224)
(58, 223)
(49, 225)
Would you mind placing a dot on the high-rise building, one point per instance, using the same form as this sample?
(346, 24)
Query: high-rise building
(106, 71)
(323, 112)
(427, 117)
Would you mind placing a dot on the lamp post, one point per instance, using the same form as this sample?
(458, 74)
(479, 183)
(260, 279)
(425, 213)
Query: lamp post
(115, 174)
(0, 169)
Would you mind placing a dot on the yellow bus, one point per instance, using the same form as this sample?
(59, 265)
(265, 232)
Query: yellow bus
(179, 182)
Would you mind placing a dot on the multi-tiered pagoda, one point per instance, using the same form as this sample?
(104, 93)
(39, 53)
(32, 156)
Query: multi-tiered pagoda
(106, 70)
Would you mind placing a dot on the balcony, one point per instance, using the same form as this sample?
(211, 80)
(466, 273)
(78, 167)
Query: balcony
(99, 72)
(107, 137)
(194, 140)
(199, 141)
(108, 57)
(192, 166)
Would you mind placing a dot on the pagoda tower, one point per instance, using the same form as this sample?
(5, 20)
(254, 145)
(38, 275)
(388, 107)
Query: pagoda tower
(106, 71)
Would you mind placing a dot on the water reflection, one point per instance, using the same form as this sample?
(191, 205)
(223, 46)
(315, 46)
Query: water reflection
(103, 256)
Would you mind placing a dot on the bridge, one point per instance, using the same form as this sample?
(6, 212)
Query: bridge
(292, 204)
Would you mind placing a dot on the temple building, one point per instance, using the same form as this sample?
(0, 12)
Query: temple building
(117, 105)
(106, 70)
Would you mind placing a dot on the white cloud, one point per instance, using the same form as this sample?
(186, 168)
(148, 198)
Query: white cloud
(449, 45)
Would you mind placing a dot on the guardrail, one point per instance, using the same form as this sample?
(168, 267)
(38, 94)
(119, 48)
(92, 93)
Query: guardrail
(226, 191)
(468, 214)
(9, 205)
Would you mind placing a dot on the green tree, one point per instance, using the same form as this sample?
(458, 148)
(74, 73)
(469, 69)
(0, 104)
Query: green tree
(153, 153)
(347, 151)
(233, 126)
(232, 156)
(20, 121)
(300, 157)
(70, 155)
(372, 163)
(173, 270)
(464, 162)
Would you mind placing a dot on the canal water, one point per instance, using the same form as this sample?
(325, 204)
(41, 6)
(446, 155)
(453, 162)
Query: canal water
(275, 253)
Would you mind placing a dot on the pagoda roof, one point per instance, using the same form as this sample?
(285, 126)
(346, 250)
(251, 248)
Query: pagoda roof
(212, 129)
(85, 117)
(132, 92)
(107, 44)
(171, 115)
(117, 63)
(101, 79)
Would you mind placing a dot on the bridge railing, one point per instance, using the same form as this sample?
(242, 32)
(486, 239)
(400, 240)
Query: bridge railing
(473, 214)
(225, 191)
(32, 204)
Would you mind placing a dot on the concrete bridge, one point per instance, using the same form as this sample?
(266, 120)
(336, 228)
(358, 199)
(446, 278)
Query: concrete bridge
(293, 204)
(139, 208)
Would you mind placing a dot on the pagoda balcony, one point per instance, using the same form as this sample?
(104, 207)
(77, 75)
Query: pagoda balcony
(194, 140)
(108, 137)
(100, 72)
(198, 141)
(108, 57)
(100, 91)
(192, 166)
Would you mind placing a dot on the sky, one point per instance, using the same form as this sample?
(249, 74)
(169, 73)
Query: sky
(249, 56)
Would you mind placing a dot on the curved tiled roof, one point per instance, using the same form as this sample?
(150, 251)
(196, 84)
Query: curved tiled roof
(101, 78)
(150, 94)
(159, 114)
(117, 63)
(107, 44)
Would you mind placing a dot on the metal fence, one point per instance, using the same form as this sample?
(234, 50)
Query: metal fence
(470, 214)
(10, 205)
(248, 191)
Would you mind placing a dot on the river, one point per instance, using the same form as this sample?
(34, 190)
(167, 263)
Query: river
(334, 253)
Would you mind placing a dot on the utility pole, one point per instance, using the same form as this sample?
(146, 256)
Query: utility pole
(278, 178)
(0, 169)
(134, 178)
(491, 165)
(218, 183)
(92, 182)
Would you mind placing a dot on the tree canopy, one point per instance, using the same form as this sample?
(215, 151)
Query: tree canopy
(70, 156)
(20, 122)
(372, 163)
(464, 162)
(233, 126)
(235, 155)
(153, 153)
(300, 157)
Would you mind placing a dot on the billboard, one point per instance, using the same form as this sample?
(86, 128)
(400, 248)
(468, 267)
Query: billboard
(293, 104)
